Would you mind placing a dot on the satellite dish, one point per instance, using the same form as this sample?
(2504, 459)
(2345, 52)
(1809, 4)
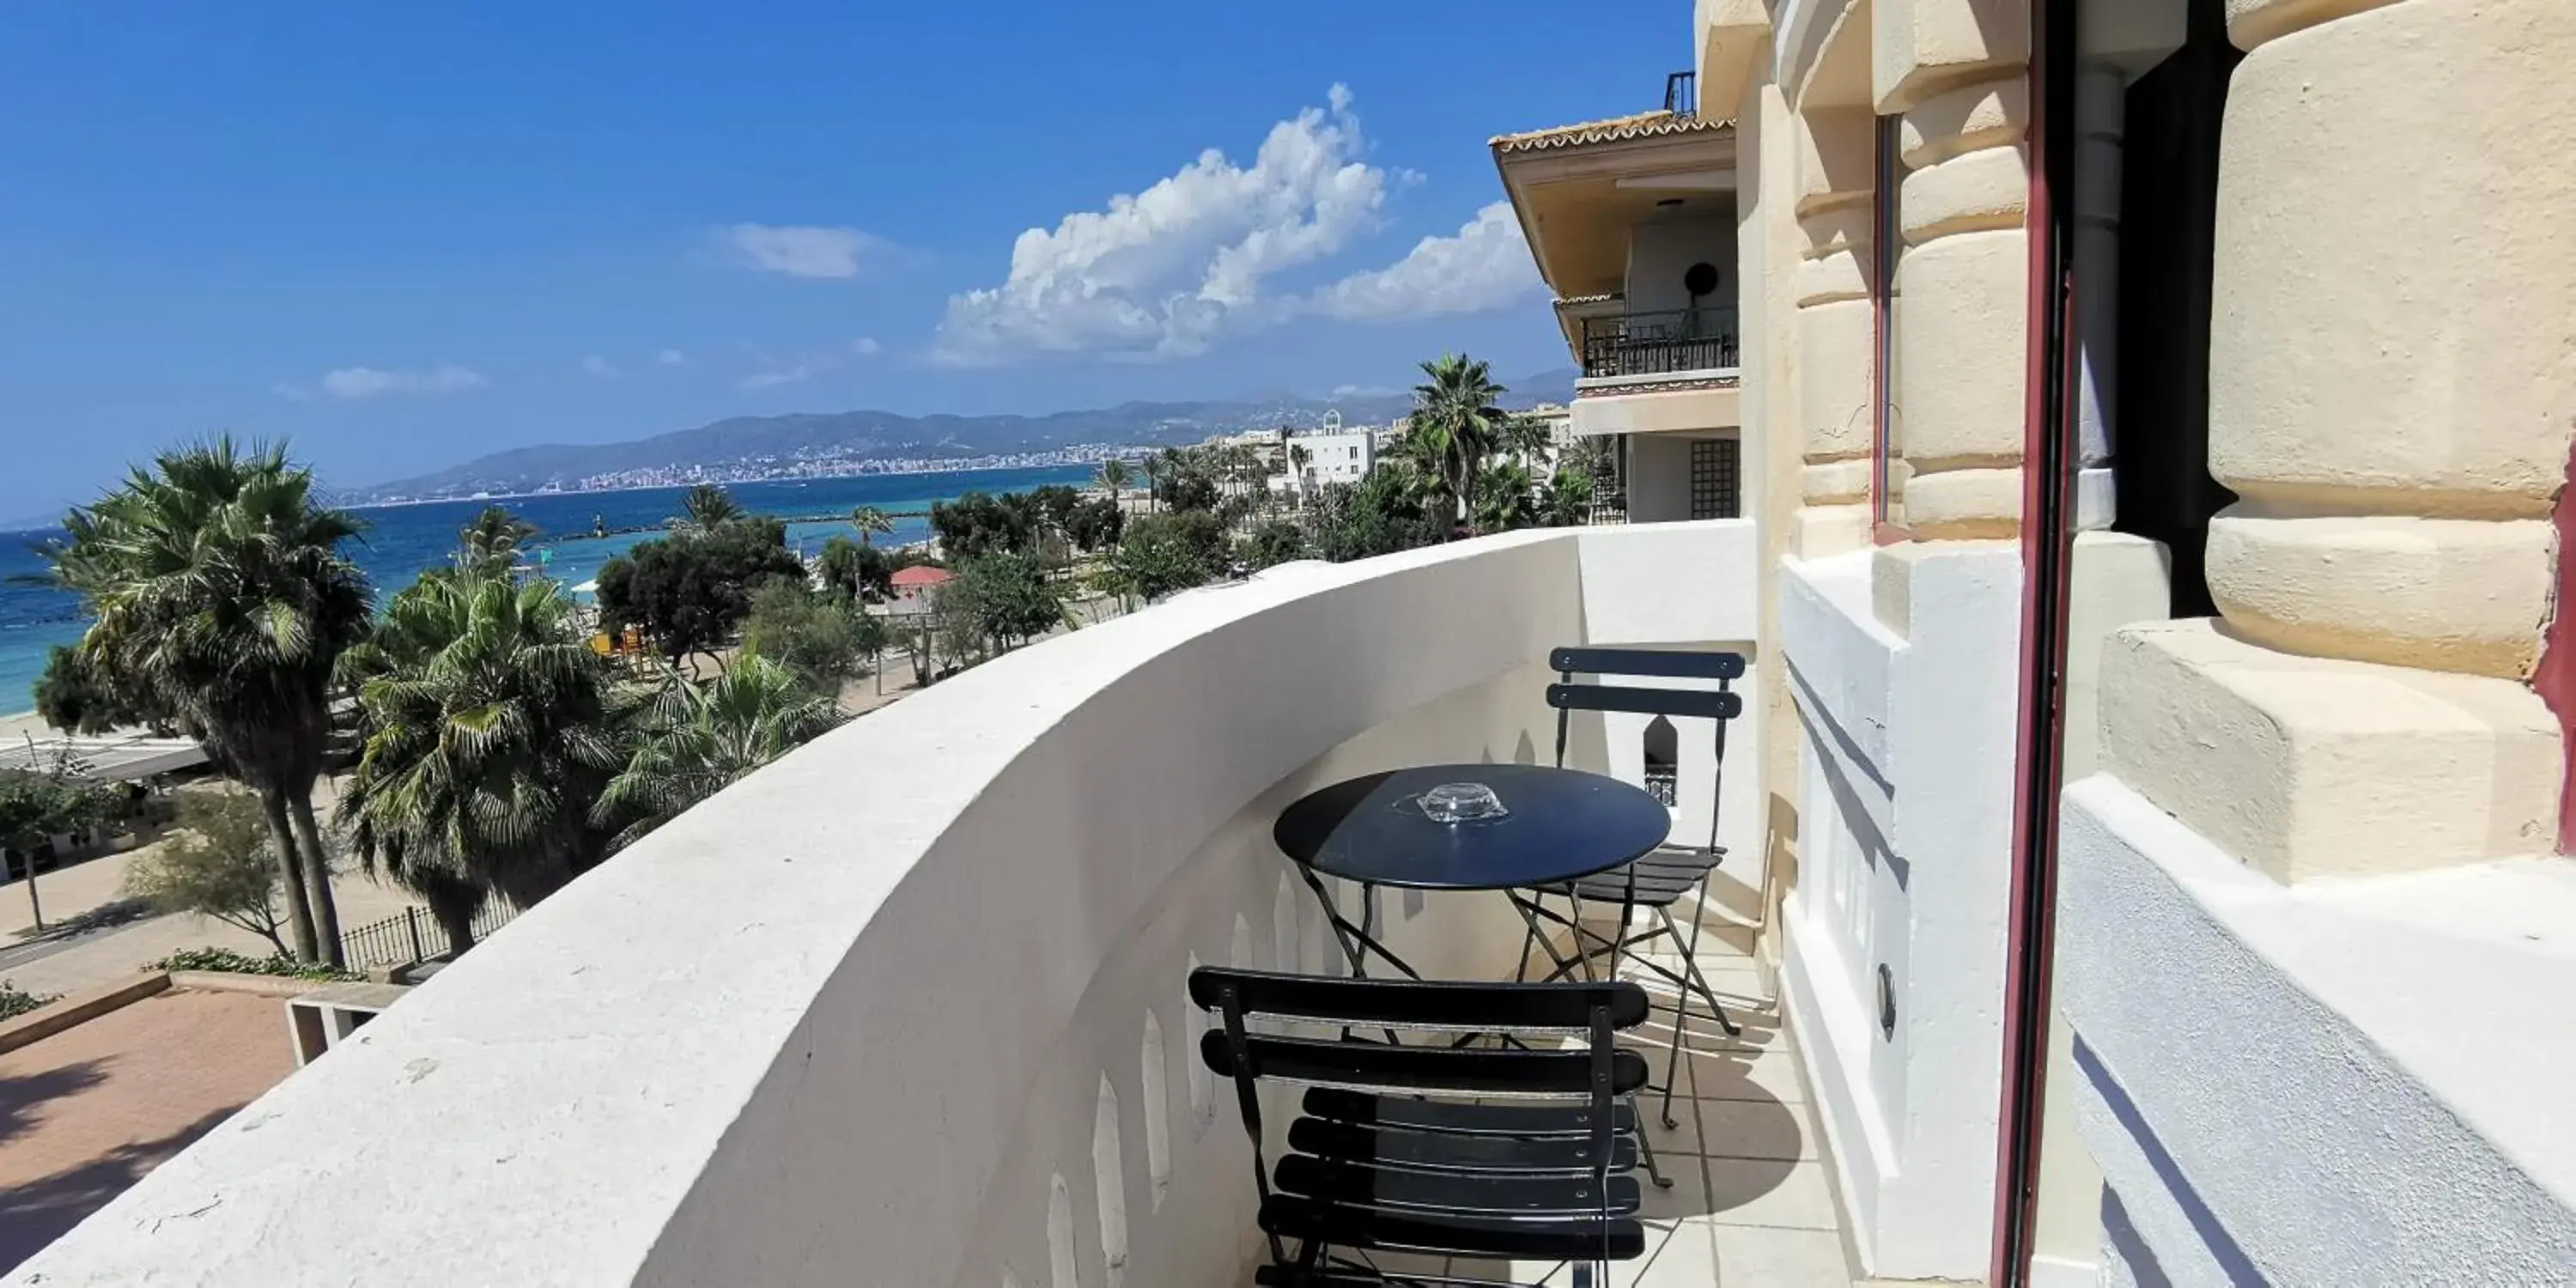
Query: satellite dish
(1699, 279)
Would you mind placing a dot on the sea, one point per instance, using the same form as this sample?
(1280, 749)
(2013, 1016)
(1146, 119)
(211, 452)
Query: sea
(402, 540)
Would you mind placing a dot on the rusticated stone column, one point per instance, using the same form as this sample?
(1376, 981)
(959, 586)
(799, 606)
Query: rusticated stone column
(2392, 391)
(1963, 284)
(1835, 165)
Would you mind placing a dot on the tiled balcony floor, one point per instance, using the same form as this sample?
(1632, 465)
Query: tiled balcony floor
(1751, 1202)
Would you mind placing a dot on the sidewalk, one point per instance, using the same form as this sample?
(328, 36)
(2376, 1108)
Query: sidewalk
(88, 890)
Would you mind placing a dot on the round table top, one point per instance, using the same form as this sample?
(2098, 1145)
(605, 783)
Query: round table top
(1561, 824)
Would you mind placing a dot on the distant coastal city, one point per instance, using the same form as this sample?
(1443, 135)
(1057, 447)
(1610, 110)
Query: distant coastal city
(773, 469)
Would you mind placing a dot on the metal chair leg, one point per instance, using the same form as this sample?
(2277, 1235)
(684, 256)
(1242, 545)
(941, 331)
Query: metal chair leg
(1690, 966)
(1646, 1153)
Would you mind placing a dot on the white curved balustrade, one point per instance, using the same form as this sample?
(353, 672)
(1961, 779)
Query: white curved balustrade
(907, 1007)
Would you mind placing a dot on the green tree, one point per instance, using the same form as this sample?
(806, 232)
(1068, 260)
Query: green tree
(1096, 524)
(691, 590)
(871, 523)
(708, 507)
(217, 865)
(220, 597)
(840, 566)
(1275, 542)
(998, 603)
(1164, 553)
(1456, 425)
(488, 726)
(1187, 480)
(34, 808)
(1115, 476)
(1506, 497)
(979, 524)
(1569, 497)
(491, 543)
(699, 739)
(815, 635)
(1299, 457)
(74, 696)
(1394, 508)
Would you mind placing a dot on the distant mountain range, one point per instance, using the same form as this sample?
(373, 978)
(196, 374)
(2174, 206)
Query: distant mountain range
(810, 443)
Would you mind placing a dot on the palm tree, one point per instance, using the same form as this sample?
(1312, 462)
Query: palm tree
(1456, 424)
(1525, 437)
(707, 507)
(699, 739)
(1114, 476)
(842, 567)
(871, 523)
(1506, 497)
(488, 728)
(491, 542)
(221, 598)
(1299, 456)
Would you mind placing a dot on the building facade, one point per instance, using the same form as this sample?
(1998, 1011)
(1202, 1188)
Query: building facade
(1344, 456)
(2161, 512)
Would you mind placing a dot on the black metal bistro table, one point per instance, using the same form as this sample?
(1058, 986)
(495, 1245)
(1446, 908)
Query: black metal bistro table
(1529, 826)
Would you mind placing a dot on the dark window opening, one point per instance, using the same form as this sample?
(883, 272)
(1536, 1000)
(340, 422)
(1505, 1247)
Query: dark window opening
(2168, 248)
(1663, 760)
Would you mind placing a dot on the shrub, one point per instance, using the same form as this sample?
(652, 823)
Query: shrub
(818, 636)
(219, 866)
(233, 963)
(15, 1002)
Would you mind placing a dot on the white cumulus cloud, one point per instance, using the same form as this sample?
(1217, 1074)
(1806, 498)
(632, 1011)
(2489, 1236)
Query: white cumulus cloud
(797, 250)
(1485, 266)
(368, 382)
(1161, 272)
(594, 365)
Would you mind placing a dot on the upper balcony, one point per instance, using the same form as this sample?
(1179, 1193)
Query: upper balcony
(1632, 224)
(1680, 342)
(907, 1006)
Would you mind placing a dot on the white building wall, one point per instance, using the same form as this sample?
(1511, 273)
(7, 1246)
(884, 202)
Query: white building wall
(1660, 252)
(1337, 458)
(1904, 860)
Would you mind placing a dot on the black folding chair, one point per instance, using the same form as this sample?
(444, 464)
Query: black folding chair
(1656, 883)
(1434, 1150)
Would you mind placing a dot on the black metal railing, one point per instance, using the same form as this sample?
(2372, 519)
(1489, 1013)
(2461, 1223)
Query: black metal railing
(1657, 344)
(1681, 93)
(1665, 785)
(1609, 508)
(412, 936)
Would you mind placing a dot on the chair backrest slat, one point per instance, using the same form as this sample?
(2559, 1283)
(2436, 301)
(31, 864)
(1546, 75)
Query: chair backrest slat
(1422, 1070)
(1661, 663)
(1706, 704)
(1432, 1005)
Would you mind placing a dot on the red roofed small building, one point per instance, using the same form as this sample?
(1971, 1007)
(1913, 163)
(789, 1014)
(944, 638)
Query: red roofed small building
(911, 584)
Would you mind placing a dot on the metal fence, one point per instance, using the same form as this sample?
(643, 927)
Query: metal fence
(1656, 344)
(412, 936)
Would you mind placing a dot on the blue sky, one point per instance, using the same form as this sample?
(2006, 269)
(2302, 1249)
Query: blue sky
(403, 237)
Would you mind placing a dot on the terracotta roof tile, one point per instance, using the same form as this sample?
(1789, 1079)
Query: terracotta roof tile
(1643, 125)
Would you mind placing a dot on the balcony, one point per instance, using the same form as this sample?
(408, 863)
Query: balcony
(1683, 341)
(907, 1007)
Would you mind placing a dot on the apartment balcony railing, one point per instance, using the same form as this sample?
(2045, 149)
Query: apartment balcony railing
(1681, 93)
(907, 1006)
(1657, 344)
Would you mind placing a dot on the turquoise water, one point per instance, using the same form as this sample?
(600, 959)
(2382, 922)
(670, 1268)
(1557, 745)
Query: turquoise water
(402, 540)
